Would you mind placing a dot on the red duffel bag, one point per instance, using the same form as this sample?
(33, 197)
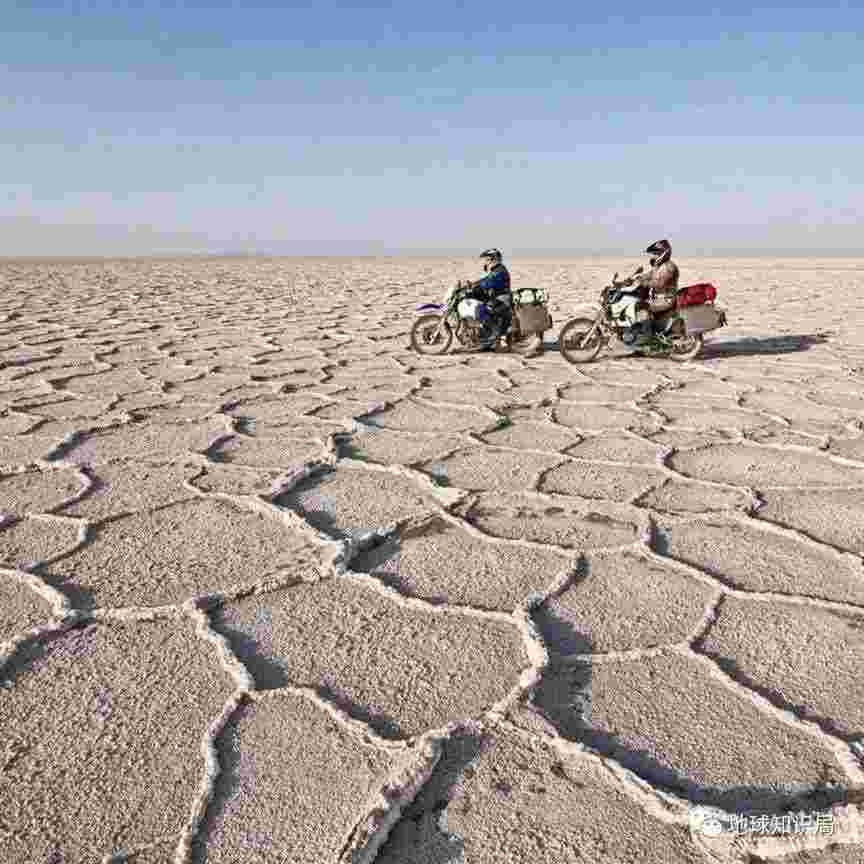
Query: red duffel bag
(696, 295)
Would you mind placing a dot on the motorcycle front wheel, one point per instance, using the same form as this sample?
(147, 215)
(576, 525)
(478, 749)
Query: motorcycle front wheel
(427, 337)
(573, 345)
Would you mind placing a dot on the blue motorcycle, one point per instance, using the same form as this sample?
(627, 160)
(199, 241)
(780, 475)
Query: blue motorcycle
(460, 314)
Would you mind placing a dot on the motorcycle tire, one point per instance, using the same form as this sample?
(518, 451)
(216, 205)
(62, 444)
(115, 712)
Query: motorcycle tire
(571, 335)
(422, 331)
(686, 348)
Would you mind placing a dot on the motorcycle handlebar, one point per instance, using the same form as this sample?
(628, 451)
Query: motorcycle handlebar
(629, 279)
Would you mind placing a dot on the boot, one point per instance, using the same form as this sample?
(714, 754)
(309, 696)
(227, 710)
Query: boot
(643, 332)
(535, 349)
(490, 341)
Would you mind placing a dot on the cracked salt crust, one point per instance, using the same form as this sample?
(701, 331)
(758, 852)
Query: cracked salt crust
(756, 556)
(443, 665)
(601, 481)
(761, 762)
(204, 546)
(508, 799)
(349, 502)
(269, 752)
(445, 561)
(32, 540)
(554, 520)
(622, 601)
(764, 467)
(484, 468)
(94, 724)
(126, 486)
(147, 441)
(833, 517)
(40, 491)
(675, 496)
(811, 662)
(320, 351)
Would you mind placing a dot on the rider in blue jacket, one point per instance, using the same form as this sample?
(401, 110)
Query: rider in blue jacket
(494, 290)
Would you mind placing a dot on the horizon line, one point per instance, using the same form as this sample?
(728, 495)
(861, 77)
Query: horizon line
(769, 253)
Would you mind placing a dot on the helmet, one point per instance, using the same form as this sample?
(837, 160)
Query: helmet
(661, 250)
(491, 258)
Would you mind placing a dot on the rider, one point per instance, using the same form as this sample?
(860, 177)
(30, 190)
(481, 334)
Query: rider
(494, 290)
(659, 283)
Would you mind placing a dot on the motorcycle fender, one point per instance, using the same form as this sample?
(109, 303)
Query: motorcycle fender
(426, 308)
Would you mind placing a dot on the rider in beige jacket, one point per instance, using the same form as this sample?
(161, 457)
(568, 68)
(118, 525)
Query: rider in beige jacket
(654, 289)
(661, 282)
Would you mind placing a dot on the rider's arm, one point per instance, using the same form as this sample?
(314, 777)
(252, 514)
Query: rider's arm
(643, 284)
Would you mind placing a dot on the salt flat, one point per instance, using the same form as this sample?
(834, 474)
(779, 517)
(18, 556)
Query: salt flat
(275, 588)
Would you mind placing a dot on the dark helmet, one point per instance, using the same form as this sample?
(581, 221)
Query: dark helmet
(661, 250)
(491, 258)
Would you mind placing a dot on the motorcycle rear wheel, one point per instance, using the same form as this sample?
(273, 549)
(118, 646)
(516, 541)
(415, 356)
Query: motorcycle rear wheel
(688, 348)
(684, 347)
(572, 333)
(423, 339)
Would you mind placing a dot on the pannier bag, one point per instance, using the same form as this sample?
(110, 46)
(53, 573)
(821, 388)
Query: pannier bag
(531, 311)
(696, 295)
(703, 317)
(533, 318)
(529, 296)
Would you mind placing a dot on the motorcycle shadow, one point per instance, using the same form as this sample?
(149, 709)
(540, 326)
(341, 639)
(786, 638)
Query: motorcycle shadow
(715, 350)
(749, 346)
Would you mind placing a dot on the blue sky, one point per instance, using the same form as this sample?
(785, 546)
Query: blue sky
(430, 128)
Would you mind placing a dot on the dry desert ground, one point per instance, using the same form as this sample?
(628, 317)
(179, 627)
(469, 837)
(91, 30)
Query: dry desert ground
(275, 588)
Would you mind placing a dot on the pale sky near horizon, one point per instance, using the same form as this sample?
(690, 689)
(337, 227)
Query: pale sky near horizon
(364, 129)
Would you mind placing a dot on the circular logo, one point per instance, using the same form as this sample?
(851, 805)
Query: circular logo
(703, 821)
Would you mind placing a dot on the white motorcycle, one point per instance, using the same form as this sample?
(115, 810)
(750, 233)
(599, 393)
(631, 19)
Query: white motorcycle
(677, 322)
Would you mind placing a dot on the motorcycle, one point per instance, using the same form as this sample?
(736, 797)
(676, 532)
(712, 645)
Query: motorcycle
(678, 323)
(464, 316)
(461, 315)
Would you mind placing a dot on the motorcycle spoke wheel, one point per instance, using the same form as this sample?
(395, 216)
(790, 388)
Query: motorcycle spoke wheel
(424, 339)
(574, 347)
(686, 348)
(681, 346)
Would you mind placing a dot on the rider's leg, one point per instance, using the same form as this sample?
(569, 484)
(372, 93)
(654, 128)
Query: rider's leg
(627, 308)
(641, 328)
(491, 331)
(500, 311)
